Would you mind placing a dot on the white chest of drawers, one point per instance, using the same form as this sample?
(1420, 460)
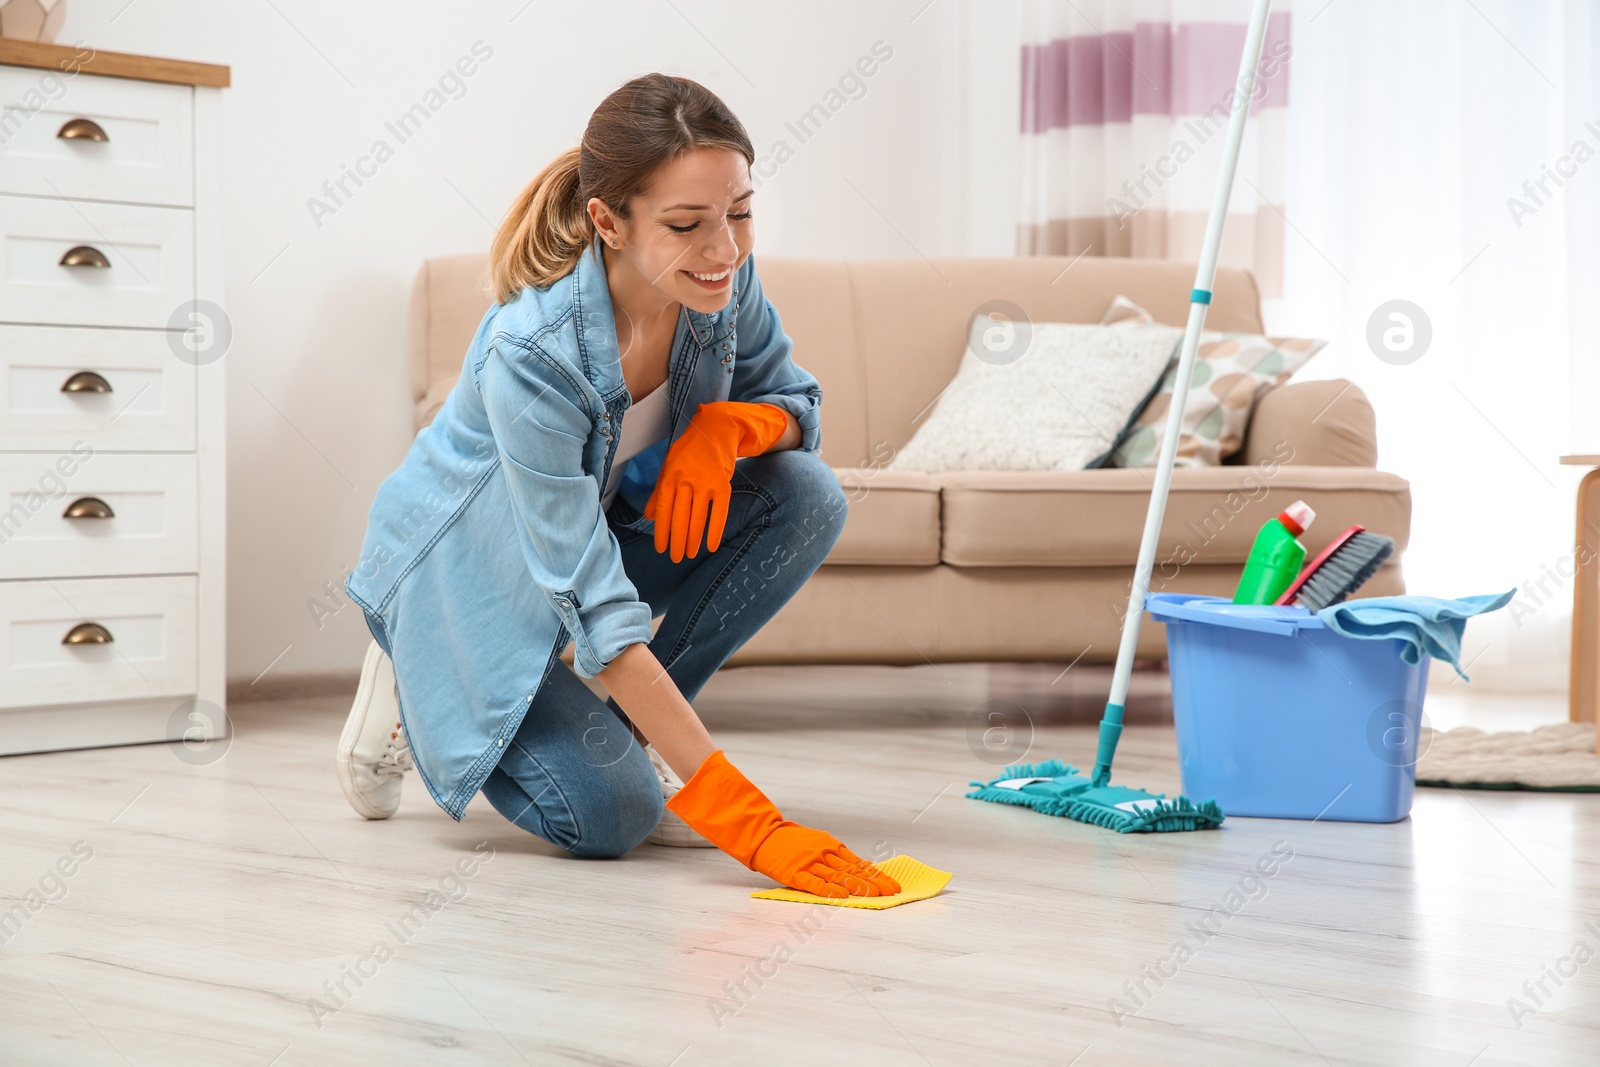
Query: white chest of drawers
(112, 425)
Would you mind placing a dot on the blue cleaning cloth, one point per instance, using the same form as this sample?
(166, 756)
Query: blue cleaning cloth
(1425, 623)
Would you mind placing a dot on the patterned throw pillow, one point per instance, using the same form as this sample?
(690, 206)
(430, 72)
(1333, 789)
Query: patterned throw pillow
(1040, 396)
(1231, 370)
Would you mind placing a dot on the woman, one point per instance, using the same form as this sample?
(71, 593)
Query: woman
(629, 397)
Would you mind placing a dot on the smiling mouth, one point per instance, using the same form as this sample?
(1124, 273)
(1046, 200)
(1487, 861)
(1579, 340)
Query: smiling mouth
(710, 279)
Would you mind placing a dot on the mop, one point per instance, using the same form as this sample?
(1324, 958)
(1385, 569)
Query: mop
(1053, 787)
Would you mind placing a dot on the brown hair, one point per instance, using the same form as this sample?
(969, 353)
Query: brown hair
(649, 121)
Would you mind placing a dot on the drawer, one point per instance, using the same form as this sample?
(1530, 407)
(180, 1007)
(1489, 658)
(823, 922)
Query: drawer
(85, 512)
(132, 638)
(129, 265)
(117, 389)
(100, 139)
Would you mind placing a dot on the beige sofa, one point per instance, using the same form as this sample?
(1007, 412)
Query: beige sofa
(976, 565)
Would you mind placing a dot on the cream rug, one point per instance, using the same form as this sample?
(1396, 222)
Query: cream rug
(1560, 757)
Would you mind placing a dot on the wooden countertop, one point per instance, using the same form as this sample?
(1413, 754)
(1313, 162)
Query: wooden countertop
(111, 64)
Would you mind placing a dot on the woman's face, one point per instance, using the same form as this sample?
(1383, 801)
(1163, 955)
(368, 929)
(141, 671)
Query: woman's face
(690, 230)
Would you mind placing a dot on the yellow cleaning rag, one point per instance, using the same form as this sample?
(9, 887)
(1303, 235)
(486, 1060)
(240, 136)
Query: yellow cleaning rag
(917, 881)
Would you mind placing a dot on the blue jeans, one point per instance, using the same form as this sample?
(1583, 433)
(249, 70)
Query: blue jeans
(574, 774)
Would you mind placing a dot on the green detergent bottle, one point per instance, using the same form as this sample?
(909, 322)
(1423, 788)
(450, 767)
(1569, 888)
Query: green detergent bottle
(1276, 557)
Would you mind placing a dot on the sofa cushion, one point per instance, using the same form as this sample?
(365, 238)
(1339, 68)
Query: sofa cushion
(1094, 518)
(893, 518)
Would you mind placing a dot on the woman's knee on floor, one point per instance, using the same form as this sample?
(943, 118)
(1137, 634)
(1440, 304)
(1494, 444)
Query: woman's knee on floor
(590, 809)
(617, 818)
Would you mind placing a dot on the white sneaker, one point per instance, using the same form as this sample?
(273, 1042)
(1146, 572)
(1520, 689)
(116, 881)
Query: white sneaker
(671, 830)
(373, 754)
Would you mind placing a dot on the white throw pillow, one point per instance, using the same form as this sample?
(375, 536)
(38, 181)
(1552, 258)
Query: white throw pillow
(1040, 396)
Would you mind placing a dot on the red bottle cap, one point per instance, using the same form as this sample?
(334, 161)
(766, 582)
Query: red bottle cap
(1297, 517)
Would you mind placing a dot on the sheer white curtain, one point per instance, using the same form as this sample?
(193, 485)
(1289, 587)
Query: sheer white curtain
(1123, 104)
(1448, 154)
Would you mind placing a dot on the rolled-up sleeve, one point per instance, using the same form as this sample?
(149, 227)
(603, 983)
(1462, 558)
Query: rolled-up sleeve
(764, 371)
(540, 432)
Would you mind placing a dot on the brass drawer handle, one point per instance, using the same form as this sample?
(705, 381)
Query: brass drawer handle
(87, 633)
(86, 381)
(82, 130)
(84, 256)
(88, 507)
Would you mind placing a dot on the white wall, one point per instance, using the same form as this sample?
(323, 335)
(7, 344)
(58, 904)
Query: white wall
(319, 410)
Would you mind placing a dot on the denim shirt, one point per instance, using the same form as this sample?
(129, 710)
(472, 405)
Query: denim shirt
(487, 549)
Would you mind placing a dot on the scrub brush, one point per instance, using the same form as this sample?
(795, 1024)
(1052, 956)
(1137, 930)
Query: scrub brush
(1339, 570)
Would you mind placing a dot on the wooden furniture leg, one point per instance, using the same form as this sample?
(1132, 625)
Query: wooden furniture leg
(1585, 688)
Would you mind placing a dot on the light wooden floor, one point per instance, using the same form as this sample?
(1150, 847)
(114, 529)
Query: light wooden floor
(221, 896)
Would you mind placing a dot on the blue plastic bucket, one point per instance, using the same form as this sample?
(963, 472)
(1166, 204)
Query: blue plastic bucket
(1280, 717)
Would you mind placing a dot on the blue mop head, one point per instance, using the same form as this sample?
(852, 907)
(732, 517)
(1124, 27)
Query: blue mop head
(1055, 788)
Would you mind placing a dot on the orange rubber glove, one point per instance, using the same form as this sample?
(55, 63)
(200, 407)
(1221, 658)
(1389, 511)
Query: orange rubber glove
(731, 813)
(695, 484)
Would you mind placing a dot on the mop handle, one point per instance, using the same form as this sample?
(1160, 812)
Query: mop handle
(1199, 299)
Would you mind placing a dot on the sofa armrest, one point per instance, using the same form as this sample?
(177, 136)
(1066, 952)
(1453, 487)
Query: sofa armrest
(448, 301)
(419, 321)
(1312, 424)
(424, 410)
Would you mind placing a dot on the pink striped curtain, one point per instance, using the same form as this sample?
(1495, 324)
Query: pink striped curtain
(1124, 104)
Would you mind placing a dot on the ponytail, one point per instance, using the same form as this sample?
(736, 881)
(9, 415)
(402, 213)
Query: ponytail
(650, 120)
(545, 232)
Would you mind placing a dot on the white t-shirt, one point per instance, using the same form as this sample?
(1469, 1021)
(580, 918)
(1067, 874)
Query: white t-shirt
(643, 424)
